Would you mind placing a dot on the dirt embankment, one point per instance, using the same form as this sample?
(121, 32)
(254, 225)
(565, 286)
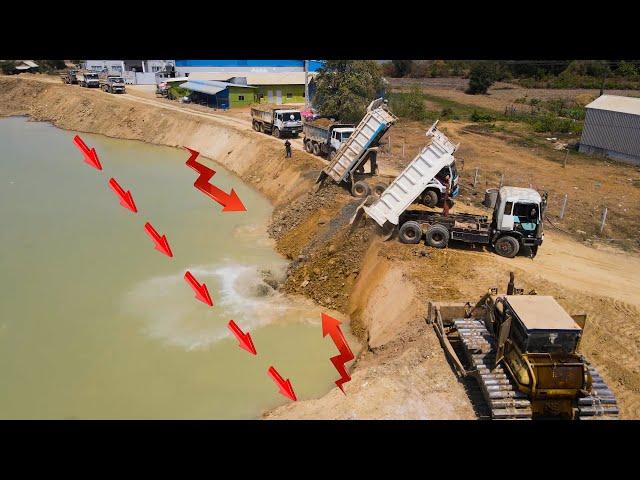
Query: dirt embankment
(383, 287)
(259, 161)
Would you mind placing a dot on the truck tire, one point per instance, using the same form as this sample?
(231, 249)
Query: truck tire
(276, 132)
(315, 148)
(308, 146)
(378, 188)
(361, 189)
(332, 153)
(507, 246)
(256, 126)
(437, 236)
(410, 232)
(429, 198)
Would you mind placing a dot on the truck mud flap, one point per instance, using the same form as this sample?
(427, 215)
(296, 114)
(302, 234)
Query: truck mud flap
(357, 216)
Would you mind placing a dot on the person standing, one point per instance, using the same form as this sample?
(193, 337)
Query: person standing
(287, 148)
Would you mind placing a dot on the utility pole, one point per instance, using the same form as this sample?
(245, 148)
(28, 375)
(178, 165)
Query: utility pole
(306, 84)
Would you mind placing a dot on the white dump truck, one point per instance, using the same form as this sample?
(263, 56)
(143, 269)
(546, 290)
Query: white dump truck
(516, 221)
(88, 79)
(276, 120)
(324, 137)
(360, 147)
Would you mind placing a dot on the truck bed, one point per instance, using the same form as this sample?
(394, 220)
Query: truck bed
(374, 124)
(408, 186)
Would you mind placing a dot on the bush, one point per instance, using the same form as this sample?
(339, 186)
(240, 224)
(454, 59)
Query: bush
(409, 105)
(482, 76)
(481, 117)
(7, 66)
(549, 123)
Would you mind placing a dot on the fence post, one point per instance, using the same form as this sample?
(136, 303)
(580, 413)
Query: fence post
(403, 149)
(564, 205)
(475, 178)
(564, 165)
(390, 147)
(604, 219)
(501, 180)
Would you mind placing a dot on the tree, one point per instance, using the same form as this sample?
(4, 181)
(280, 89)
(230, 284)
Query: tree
(346, 87)
(626, 69)
(481, 78)
(402, 67)
(7, 66)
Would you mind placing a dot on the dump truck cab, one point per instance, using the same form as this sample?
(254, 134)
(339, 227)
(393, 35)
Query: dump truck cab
(537, 343)
(517, 220)
(339, 136)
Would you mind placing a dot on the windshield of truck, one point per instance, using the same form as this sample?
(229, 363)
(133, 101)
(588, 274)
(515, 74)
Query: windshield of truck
(91, 76)
(552, 342)
(526, 214)
(117, 80)
(345, 135)
(292, 117)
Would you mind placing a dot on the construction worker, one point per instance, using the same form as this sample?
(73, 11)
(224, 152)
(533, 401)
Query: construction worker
(287, 148)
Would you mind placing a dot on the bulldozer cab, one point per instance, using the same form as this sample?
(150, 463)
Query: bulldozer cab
(538, 324)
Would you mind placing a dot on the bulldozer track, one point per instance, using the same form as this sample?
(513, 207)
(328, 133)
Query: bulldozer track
(601, 404)
(500, 394)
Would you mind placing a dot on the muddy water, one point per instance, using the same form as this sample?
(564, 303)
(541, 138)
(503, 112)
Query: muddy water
(95, 323)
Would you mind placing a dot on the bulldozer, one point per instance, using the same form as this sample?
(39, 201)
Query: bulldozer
(522, 349)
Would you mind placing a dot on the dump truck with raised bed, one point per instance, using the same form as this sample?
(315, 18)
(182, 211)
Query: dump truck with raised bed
(88, 79)
(324, 137)
(516, 223)
(361, 146)
(69, 77)
(522, 349)
(275, 120)
(112, 84)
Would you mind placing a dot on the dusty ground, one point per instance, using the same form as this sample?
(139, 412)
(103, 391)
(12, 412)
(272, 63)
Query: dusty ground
(385, 287)
(500, 95)
(590, 183)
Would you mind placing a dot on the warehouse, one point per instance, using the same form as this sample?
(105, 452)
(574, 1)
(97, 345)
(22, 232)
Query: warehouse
(278, 88)
(612, 128)
(221, 95)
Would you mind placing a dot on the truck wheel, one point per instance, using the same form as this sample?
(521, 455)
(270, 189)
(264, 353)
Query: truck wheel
(410, 232)
(379, 188)
(316, 149)
(276, 132)
(332, 153)
(437, 236)
(429, 198)
(261, 127)
(256, 127)
(507, 246)
(361, 189)
(307, 146)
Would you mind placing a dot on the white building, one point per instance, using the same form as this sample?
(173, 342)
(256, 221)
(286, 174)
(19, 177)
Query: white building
(612, 128)
(138, 72)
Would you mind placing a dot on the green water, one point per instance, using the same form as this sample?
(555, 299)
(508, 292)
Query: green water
(95, 323)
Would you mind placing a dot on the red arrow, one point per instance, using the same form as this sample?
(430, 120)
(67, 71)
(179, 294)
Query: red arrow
(331, 326)
(243, 338)
(286, 388)
(162, 245)
(231, 202)
(202, 293)
(126, 199)
(90, 155)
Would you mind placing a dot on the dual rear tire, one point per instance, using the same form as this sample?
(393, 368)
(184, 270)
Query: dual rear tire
(436, 236)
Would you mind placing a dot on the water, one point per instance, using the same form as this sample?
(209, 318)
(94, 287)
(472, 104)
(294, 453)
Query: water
(95, 323)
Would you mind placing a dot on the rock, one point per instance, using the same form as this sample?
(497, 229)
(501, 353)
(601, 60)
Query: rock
(301, 258)
(332, 248)
(304, 284)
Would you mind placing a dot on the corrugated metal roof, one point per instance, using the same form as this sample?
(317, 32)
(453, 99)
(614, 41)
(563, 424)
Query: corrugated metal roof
(616, 103)
(209, 87)
(255, 78)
